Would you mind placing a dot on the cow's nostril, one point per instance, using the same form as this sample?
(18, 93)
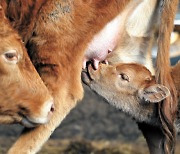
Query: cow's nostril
(52, 108)
(49, 106)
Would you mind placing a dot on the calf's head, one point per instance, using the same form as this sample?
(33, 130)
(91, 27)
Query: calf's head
(23, 96)
(127, 86)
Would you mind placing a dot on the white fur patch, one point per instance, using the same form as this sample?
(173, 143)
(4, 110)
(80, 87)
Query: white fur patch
(138, 22)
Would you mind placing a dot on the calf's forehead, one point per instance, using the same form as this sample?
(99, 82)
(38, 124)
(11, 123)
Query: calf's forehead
(135, 70)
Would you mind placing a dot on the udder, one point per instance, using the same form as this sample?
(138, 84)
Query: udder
(103, 43)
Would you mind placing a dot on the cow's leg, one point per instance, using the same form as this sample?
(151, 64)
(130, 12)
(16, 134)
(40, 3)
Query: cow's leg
(154, 138)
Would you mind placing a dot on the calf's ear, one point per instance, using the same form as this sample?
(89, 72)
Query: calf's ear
(154, 93)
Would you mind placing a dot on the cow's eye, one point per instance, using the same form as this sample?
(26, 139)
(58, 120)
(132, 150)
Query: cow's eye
(11, 56)
(124, 77)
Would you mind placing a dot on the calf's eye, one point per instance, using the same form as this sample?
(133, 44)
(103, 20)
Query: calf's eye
(124, 77)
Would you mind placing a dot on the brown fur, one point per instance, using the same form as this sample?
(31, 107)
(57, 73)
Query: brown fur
(61, 32)
(22, 92)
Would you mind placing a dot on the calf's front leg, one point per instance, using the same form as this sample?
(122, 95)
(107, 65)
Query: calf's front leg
(154, 138)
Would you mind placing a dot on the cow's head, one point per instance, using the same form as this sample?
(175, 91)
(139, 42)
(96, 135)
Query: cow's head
(23, 96)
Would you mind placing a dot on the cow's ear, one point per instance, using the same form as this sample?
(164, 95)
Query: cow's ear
(1, 11)
(154, 93)
(2, 15)
(139, 23)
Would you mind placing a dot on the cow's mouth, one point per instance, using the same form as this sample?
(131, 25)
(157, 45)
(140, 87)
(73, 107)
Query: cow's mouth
(26, 122)
(31, 122)
(23, 120)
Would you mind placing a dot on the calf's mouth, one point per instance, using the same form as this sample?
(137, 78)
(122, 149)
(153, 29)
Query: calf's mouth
(87, 73)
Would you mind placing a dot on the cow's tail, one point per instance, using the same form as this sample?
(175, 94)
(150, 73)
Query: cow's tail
(168, 107)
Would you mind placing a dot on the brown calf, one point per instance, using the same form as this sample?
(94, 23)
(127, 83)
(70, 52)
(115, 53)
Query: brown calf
(23, 96)
(132, 89)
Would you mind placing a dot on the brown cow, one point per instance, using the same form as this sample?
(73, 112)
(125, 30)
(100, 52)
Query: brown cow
(23, 96)
(57, 36)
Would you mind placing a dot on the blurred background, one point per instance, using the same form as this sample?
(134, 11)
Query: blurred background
(94, 127)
